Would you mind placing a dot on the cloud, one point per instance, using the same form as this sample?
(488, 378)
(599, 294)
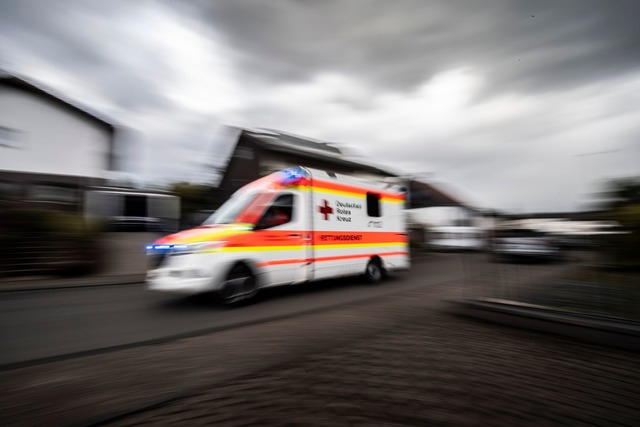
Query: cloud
(505, 148)
(400, 44)
(502, 98)
(157, 72)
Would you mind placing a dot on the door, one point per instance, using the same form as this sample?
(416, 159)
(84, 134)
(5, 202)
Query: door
(283, 240)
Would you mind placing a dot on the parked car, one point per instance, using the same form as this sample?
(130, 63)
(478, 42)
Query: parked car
(524, 243)
(456, 239)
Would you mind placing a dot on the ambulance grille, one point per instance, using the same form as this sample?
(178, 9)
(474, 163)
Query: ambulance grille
(156, 259)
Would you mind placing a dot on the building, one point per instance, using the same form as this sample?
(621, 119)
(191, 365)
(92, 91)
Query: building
(259, 153)
(50, 147)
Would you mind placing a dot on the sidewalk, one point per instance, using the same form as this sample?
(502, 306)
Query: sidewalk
(42, 283)
(398, 360)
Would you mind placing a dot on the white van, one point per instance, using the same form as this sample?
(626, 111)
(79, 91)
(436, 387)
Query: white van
(290, 227)
(127, 210)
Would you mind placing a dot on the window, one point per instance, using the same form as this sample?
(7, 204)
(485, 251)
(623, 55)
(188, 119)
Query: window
(135, 205)
(9, 138)
(9, 190)
(279, 212)
(373, 204)
(54, 193)
(229, 211)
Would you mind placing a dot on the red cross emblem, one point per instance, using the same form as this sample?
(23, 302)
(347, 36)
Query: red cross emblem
(325, 210)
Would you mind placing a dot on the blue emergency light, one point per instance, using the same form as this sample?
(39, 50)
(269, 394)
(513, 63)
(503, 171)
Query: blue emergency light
(165, 247)
(292, 175)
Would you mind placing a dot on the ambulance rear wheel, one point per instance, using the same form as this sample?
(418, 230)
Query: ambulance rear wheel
(373, 273)
(240, 285)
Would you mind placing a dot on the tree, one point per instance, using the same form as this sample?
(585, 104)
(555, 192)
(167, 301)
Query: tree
(194, 198)
(622, 192)
(622, 205)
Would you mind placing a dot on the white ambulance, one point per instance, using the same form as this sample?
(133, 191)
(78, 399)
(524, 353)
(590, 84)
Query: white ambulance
(290, 227)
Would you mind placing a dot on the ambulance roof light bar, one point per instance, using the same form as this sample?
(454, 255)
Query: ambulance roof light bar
(292, 176)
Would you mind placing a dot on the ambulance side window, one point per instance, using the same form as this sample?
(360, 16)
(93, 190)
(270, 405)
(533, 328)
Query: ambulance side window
(373, 204)
(280, 212)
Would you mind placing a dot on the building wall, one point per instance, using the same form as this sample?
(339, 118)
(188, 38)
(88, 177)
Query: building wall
(251, 160)
(242, 168)
(40, 135)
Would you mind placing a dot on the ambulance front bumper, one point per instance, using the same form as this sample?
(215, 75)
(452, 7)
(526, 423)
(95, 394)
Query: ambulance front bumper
(186, 274)
(186, 282)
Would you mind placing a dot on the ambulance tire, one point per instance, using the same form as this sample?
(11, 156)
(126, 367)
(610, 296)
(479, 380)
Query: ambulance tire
(374, 272)
(239, 286)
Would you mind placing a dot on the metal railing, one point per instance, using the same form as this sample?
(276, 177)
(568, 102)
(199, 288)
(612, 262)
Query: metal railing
(33, 254)
(577, 283)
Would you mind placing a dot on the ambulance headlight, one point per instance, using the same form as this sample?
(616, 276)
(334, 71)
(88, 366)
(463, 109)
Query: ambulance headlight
(194, 248)
(184, 248)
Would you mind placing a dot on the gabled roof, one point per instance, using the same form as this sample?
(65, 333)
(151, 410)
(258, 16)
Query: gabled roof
(300, 143)
(421, 194)
(286, 143)
(13, 80)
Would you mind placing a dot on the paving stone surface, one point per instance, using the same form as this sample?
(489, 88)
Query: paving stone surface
(401, 359)
(431, 369)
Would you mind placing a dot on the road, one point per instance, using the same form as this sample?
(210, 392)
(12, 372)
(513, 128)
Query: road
(44, 324)
(401, 359)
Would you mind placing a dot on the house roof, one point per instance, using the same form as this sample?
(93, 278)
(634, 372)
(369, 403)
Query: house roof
(286, 143)
(425, 195)
(422, 194)
(12, 79)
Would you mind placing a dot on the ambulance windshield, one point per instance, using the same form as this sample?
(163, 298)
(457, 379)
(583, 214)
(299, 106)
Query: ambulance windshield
(230, 210)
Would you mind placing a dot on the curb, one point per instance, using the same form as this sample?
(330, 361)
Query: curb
(87, 282)
(605, 331)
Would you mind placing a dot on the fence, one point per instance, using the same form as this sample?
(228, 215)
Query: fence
(37, 254)
(575, 283)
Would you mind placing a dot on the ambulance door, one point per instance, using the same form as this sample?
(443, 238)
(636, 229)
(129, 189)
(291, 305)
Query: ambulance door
(282, 240)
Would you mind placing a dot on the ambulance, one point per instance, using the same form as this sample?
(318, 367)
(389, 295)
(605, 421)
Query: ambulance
(290, 227)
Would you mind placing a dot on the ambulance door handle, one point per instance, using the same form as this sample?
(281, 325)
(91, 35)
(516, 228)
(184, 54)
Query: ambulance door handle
(274, 237)
(295, 235)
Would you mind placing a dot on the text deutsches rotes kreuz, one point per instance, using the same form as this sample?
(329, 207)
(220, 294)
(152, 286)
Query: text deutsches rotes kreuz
(343, 210)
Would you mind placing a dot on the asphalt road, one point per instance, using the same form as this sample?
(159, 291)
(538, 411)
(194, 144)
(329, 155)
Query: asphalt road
(49, 323)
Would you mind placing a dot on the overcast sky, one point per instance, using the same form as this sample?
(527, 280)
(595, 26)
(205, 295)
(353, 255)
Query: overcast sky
(515, 105)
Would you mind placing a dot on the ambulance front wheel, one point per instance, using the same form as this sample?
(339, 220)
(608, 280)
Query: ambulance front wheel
(374, 272)
(240, 285)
